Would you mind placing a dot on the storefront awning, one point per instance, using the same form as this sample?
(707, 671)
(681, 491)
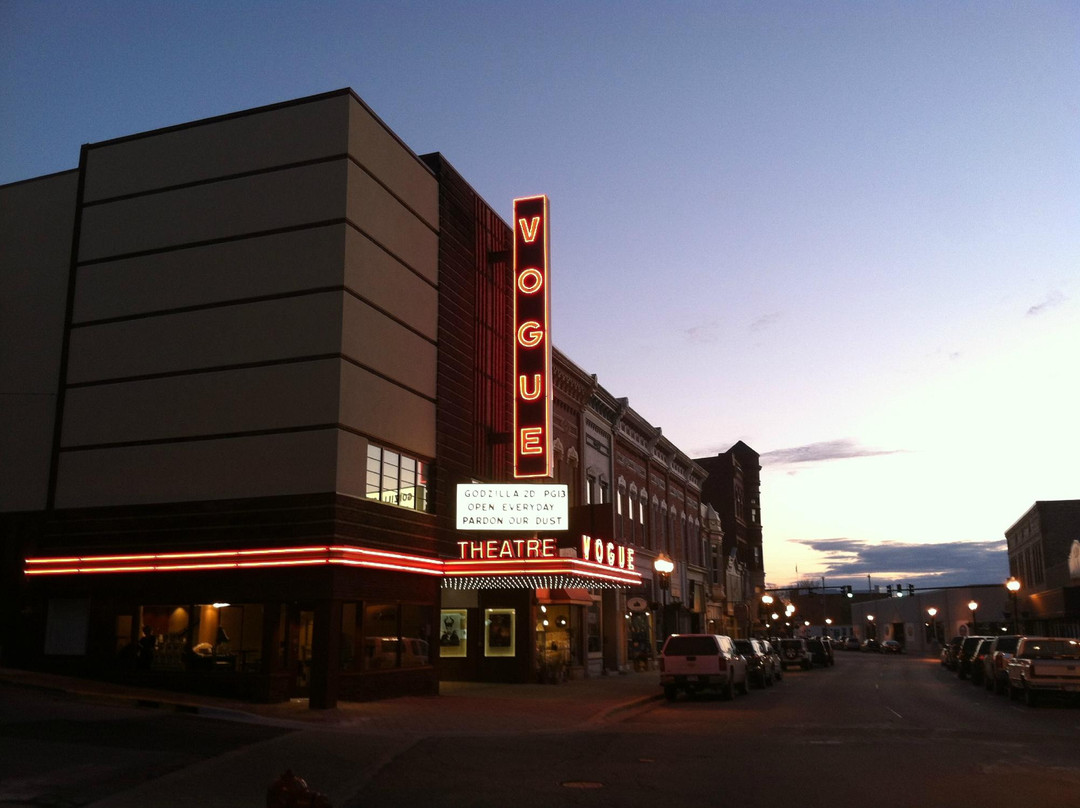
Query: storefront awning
(564, 597)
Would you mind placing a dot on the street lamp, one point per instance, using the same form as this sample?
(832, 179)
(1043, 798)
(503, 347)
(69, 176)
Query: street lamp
(973, 605)
(869, 625)
(932, 611)
(1013, 585)
(664, 567)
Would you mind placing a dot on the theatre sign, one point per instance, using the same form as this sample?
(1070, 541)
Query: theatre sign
(529, 557)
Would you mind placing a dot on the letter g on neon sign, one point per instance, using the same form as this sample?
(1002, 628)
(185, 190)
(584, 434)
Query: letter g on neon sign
(530, 281)
(530, 334)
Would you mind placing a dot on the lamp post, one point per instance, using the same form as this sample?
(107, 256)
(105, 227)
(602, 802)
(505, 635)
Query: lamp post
(664, 567)
(1013, 585)
(870, 627)
(932, 611)
(973, 605)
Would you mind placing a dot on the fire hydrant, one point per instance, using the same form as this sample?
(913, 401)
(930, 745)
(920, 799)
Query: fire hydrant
(290, 791)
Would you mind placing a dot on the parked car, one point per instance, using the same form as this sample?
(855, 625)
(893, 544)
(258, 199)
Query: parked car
(891, 647)
(1001, 651)
(1044, 665)
(821, 652)
(696, 662)
(774, 660)
(978, 657)
(951, 651)
(852, 644)
(965, 654)
(758, 664)
(871, 645)
(794, 653)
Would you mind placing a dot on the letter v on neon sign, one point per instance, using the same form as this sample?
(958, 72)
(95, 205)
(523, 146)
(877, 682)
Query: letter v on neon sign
(529, 229)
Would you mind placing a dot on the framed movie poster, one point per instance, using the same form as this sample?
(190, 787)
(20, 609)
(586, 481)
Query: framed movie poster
(498, 632)
(452, 633)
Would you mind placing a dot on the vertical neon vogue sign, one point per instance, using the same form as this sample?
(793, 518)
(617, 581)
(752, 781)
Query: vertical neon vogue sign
(532, 339)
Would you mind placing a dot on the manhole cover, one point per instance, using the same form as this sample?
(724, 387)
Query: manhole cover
(582, 784)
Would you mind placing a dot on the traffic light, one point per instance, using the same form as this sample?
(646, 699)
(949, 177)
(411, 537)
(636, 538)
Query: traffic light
(888, 591)
(911, 589)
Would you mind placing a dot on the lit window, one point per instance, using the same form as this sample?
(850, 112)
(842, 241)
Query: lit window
(397, 479)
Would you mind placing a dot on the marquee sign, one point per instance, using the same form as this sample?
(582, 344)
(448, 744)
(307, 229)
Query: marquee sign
(510, 506)
(532, 339)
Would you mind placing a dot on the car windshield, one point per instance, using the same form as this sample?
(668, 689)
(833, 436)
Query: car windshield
(690, 645)
(791, 644)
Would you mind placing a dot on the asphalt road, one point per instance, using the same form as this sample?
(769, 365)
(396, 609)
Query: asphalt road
(872, 729)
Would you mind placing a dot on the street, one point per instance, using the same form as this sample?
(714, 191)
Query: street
(898, 730)
(895, 729)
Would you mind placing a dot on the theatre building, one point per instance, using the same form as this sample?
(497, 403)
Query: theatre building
(253, 365)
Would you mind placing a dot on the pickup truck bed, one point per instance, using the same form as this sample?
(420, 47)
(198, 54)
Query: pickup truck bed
(1044, 665)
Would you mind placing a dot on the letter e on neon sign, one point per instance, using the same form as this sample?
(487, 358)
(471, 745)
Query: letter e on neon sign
(532, 339)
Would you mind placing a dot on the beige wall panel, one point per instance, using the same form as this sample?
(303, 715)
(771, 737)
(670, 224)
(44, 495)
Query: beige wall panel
(277, 397)
(26, 435)
(36, 221)
(384, 156)
(386, 221)
(288, 198)
(267, 465)
(352, 464)
(216, 148)
(377, 342)
(377, 276)
(231, 270)
(376, 407)
(229, 335)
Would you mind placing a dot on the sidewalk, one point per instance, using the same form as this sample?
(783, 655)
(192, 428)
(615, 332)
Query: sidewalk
(460, 707)
(338, 751)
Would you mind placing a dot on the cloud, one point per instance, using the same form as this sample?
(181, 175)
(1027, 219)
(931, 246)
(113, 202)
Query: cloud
(849, 561)
(706, 332)
(765, 321)
(842, 449)
(1054, 298)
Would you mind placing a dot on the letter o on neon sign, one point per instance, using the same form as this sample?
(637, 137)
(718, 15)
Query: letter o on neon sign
(530, 281)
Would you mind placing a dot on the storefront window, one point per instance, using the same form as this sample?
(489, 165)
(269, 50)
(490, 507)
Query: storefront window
(381, 636)
(592, 628)
(397, 479)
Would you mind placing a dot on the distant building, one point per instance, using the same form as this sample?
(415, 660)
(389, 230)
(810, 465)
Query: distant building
(733, 490)
(1044, 556)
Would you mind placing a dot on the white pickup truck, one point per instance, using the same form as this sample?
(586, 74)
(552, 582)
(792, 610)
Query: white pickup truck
(695, 662)
(1044, 665)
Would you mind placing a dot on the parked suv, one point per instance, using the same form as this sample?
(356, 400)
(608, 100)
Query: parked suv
(821, 652)
(758, 662)
(795, 654)
(774, 659)
(696, 662)
(966, 653)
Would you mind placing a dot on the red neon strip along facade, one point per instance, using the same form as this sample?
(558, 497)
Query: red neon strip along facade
(338, 554)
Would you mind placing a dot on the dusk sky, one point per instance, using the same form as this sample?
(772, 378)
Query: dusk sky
(847, 234)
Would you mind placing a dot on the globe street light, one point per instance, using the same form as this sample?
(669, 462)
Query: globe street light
(869, 625)
(973, 605)
(932, 611)
(1013, 585)
(664, 567)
